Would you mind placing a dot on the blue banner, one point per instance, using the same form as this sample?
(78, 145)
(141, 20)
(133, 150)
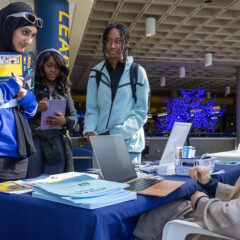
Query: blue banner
(55, 31)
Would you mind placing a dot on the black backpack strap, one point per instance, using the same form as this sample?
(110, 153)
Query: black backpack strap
(133, 79)
(98, 77)
(99, 74)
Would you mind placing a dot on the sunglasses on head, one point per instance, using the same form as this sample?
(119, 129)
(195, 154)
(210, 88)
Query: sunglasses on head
(29, 17)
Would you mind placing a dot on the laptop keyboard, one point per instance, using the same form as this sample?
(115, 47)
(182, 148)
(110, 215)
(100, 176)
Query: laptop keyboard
(141, 184)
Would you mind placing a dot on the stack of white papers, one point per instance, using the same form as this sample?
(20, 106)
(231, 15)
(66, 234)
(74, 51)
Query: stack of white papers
(45, 178)
(84, 191)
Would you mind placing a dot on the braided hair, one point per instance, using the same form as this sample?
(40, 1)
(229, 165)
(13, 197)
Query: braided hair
(124, 36)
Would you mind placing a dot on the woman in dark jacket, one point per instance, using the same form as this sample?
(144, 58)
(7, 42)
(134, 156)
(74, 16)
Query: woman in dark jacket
(18, 26)
(54, 149)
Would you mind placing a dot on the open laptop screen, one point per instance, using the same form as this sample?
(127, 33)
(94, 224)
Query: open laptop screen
(113, 158)
(177, 138)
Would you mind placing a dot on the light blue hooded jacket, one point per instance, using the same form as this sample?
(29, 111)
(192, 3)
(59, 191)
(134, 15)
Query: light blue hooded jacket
(123, 115)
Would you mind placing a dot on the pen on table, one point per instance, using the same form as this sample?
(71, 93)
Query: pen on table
(218, 172)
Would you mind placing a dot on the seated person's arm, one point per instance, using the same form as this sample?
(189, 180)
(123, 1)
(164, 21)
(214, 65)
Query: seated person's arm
(220, 216)
(202, 176)
(211, 185)
(216, 214)
(223, 191)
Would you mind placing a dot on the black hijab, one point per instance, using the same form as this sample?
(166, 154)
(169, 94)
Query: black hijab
(9, 25)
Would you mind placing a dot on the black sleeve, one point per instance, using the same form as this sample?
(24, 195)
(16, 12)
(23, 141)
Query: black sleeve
(210, 187)
(71, 114)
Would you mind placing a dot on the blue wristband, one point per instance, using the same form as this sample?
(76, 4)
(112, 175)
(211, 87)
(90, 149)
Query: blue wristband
(196, 203)
(210, 187)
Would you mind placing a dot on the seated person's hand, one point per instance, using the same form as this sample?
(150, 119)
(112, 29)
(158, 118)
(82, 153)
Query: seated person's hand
(88, 134)
(42, 105)
(58, 120)
(195, 196)
(200, 174)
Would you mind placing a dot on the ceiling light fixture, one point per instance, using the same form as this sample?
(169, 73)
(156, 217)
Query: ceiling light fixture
(227, 90)
(182, 72)
(162, 81)
(208, 59)
(150, 26)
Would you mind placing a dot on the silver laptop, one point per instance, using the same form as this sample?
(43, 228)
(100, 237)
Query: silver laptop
(176, 139)
(115, 164)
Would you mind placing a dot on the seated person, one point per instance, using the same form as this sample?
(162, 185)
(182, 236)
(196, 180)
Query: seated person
(219, 211)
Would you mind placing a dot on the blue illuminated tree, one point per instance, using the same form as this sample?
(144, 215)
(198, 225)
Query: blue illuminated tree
(193, 106)
(160, 125)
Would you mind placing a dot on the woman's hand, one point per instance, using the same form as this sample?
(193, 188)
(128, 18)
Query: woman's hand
(21, 93)
(200, 174)
(42, 105)
(58, 120)
(19, 80)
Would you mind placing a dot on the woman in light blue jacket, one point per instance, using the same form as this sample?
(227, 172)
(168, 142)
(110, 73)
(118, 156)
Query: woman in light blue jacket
(111, 107)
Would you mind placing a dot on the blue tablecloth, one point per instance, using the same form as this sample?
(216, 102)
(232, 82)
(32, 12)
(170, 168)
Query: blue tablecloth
(23, 217)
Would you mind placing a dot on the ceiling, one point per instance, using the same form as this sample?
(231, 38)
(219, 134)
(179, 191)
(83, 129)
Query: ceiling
(185, 31)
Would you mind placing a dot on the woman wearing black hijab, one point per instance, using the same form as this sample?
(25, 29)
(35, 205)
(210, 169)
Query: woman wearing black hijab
(18, 26)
